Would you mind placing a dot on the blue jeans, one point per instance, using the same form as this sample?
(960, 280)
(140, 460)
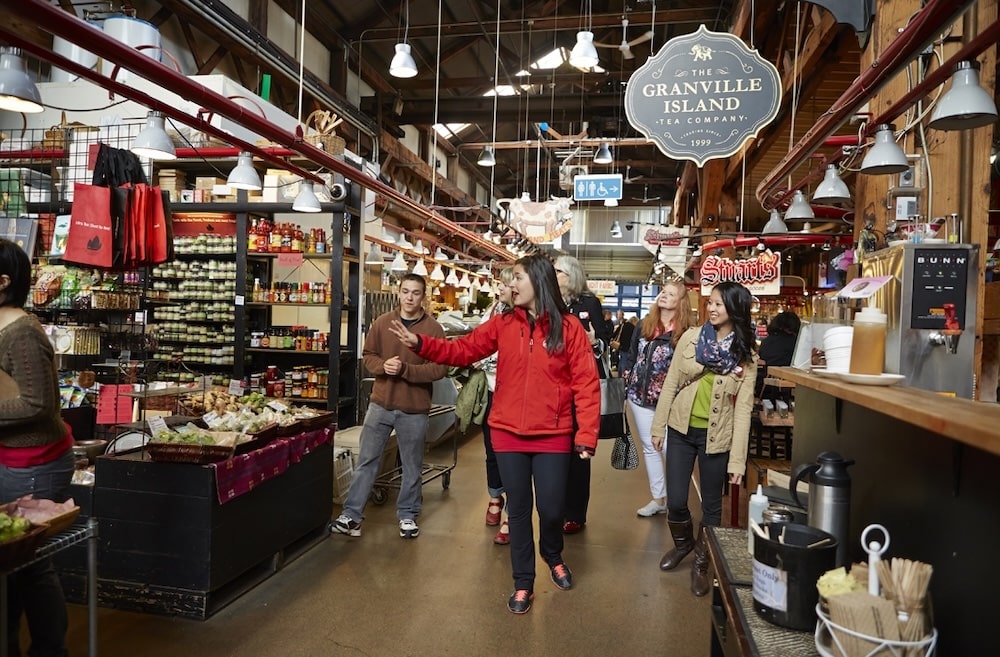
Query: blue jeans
(35, 591)
(411, 432)
(548, 474)
(682, 450)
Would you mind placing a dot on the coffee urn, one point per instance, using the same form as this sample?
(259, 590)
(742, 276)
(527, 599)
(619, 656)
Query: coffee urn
(829, 505)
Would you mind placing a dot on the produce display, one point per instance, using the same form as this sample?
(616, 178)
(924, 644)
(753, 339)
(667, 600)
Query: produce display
(12, 527)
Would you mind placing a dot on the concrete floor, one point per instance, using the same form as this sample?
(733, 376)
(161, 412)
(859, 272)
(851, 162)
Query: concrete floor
(445, 593)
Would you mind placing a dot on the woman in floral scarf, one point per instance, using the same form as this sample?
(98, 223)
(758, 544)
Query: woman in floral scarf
(704, 413)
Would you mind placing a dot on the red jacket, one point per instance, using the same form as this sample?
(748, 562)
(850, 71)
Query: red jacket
(537, 394)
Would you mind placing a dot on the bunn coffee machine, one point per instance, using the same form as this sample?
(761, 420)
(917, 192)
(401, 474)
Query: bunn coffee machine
(931, 308)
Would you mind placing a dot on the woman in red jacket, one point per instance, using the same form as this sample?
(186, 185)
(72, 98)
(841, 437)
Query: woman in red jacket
(545, 371)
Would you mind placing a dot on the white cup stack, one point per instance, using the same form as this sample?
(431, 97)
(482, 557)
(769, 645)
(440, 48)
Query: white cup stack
(837, 347)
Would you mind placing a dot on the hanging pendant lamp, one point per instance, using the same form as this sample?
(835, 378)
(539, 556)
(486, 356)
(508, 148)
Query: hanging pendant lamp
(486, 157)
(775, 224)
(243, 175)
(832, 189)
(398, 263)
(885, 156)
(603, 155)
(402, 64)
(584, 53)
(18, 92)
(305, 200)
(374, 257)
(153, 141)
(799, 210)
(616, 229)
(438, 273)
(420, 269)
(966, 105)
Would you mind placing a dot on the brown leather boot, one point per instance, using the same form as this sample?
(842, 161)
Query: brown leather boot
(683, 535)
(700, 581)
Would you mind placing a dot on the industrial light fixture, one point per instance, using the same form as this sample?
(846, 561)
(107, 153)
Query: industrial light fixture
(464, 281)
(439, 254)
(402, 64)
(404, 243)
(18, 92)
(452, 278)
(616, 229)
(584, 53)
(486, 157)
(966, 105)
(775, 224)
(438, 273)
(885, 156)
(420, 248)
(483, 270)
(388, 235)
(832, 189)
(243, 175)
(603, 155)
(305, 200)
(420, 269)
(611, 203)
(153, 141)
(374, 257)
(799, 210)
(398, 263)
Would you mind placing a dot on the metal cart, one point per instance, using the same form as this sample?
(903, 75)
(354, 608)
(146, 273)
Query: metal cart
(429, 471)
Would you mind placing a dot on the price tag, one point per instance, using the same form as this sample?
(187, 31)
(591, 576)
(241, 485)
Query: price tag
(156, 425)
(278, 406)
(236, 387)
(239, 300)
(210, 417)
(206, 382)
(289, 259)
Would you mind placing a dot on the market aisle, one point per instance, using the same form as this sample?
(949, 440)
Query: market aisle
(445, 593)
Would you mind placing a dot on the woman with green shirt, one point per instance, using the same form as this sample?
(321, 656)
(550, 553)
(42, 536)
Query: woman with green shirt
(704, 413)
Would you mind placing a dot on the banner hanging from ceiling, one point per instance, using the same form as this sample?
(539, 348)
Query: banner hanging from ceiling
(760, 274)
(703, 96)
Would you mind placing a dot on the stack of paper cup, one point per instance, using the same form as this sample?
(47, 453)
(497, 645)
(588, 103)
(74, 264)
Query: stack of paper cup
(837, 347)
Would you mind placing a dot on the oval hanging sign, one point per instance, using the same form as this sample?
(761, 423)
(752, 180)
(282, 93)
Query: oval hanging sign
(702, 96)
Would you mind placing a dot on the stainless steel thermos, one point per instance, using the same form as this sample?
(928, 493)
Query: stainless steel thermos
(829, 505)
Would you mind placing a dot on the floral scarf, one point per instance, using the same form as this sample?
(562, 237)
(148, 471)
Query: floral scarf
(713, 354)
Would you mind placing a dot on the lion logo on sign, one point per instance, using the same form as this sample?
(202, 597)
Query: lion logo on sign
(701, 53)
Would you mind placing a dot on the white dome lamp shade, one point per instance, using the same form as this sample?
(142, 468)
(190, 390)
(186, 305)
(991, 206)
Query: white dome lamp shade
(584, 53)
(305, 200)
(464, 282)
(832, 189)
(775, 224)
(402, 65)
(799, 210)
(18, 92)
(374, 257)
(420, 269)
(439, 254)
(399, 264)
(452, 278)
(487, 158)
(420, 248)
(616, 229)
(885, 156)
(243, 175)
(603, 155)
(438, 273)
(966, 105)
(404, 243)
(153, 141)
(611, 203)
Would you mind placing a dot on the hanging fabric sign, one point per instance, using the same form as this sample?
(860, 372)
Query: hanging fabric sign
(702, 96)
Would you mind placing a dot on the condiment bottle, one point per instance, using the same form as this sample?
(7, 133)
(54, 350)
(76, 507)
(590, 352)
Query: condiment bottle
(868, 346)
(757, 504)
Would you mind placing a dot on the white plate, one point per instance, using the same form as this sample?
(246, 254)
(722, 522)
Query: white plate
(822, 371)
(871, 379)
(127, 441)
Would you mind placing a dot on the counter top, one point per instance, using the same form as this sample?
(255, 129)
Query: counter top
(969, 422)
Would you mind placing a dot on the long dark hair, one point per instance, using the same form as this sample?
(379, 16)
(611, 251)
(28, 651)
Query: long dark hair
(548, 299)
(16, 264)
(737, 300)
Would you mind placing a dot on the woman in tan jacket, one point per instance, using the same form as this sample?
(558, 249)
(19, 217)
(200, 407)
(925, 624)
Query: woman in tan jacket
(704, 413)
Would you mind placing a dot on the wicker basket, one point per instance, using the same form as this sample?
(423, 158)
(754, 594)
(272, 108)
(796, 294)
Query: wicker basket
(323, 124)
(17, 551)
(182, 453)
(61, 522)
(320, 421)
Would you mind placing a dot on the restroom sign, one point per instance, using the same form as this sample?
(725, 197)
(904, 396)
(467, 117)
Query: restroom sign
(703, 96)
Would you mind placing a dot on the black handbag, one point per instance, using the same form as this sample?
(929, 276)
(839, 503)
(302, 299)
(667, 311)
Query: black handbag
(624, 455)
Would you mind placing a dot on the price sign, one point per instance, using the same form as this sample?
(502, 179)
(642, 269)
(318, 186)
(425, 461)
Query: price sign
(157, 425)
(236, 387)
(277, 406)
(289, 259)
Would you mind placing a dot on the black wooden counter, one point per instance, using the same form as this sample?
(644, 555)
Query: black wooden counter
(168, 546)
(927, 467)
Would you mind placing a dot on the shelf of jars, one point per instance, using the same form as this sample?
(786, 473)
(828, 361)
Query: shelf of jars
(308, 384)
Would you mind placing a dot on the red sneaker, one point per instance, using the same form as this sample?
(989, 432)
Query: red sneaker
(493, 512)
(573, 527)
(503, 536)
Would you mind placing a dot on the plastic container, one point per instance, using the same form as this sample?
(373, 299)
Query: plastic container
(785, 570)
(758, 502)
(868, 349)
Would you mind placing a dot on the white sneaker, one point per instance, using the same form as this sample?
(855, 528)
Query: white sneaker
(345, 525)
(651, 509)
(408, 529)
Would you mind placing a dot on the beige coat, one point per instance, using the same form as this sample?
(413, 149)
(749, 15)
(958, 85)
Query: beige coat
(732, 403)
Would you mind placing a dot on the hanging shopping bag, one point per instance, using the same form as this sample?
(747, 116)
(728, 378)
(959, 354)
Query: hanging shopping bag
(162, 238)
(90, 241)
(121, 210)
(624, 455)
(612, 408)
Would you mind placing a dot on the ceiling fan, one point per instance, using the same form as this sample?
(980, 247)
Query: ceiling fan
(626, 46)
(629, 178)
(646, 198)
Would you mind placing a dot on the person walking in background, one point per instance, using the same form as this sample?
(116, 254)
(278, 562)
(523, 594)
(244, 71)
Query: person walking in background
(644, 367)
(621, 340)
(494, 482)
(546, 411)
(580, 301)
(704, 414)
(778, 348)
(36, 455)
(400, 400)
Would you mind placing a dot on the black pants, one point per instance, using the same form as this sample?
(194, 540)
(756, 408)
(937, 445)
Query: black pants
(537, 480)
(494, 482)
(682, 451)
(577, 490)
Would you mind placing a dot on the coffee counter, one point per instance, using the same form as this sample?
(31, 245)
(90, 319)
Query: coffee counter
(926, 468)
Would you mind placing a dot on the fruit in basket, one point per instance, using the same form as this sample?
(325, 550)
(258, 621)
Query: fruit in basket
(12, 527)
(837, 581)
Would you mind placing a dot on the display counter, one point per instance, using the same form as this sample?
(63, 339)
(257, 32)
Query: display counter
(182, 539)
(926, 468)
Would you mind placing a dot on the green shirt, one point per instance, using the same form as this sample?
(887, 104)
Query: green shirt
(702, 402)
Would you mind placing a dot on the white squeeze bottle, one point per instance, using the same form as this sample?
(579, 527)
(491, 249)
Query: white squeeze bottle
(758, 502)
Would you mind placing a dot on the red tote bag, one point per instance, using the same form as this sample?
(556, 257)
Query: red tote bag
(89, 242)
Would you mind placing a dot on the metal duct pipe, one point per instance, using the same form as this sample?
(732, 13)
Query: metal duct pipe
(61, 23)
(922, 30)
